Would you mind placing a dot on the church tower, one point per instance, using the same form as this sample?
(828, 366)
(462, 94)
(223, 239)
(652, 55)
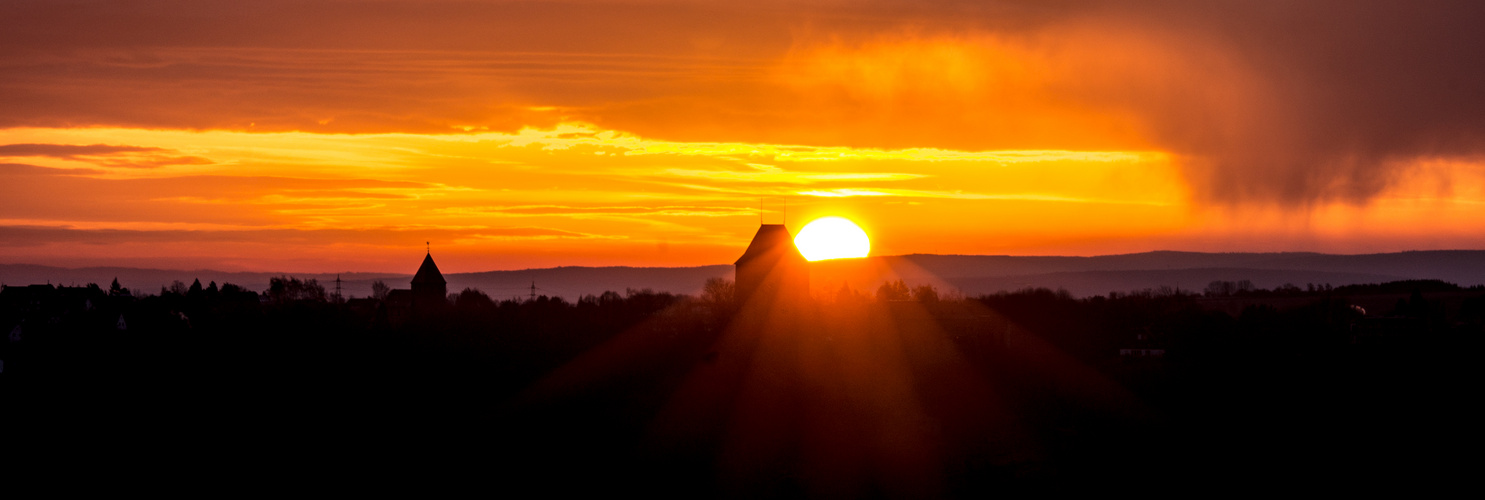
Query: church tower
(772, 269)
(429, 290)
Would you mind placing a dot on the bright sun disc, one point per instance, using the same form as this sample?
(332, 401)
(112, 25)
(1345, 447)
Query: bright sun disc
(832, 238)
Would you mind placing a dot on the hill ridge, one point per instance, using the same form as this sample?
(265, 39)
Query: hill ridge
(973, 274)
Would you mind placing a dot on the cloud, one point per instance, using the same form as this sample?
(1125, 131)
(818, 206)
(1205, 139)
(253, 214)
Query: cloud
(21, 169)
(103, 155)
(961, 195)
(69, 151)
(1297, 104)
(580, 211)
(539, 233)
(1350, 96)
(1259, 101)
(40, 235)
(787, 177)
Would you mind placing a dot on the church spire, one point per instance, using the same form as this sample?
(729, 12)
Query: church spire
(428, 272)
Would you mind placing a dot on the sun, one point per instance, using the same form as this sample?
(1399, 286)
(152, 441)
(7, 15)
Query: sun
(832, 238)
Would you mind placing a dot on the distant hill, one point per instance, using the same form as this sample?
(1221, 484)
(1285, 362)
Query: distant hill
(568, 282)
(1088, 283)
(1084, 276)
(574, 282)
(969, 274)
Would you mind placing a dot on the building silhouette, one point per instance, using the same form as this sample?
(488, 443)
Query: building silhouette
(430, 292)
(429, 295)
(772, 269)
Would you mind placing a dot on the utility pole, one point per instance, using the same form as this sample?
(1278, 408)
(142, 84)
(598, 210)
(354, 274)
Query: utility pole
(533, 290)
(337, 288)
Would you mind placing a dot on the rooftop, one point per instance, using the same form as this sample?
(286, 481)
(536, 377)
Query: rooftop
(428, 272)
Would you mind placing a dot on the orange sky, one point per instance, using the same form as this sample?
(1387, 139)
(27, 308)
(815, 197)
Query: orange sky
(337, 136)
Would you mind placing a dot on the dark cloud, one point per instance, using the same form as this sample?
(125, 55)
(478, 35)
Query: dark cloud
(1351, 91)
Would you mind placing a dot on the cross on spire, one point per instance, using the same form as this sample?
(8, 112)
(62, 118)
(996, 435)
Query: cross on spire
(429, 247)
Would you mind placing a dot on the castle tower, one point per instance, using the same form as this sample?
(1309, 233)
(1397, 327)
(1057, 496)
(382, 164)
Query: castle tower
(772, 269)
(429, 290)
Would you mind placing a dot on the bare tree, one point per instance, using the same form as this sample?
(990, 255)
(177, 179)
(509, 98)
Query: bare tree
(718, 291)
(380, 290)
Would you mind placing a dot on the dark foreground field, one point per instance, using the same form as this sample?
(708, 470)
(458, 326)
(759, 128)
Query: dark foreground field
(1024, 393)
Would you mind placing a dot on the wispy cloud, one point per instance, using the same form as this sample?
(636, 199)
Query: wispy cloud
(41, 235)
(580, 211)
(103, 155)
(70, 150)
(786, 177)
(960, 195)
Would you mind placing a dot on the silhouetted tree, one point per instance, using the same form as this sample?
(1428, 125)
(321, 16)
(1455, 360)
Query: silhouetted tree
(893, 290)
(177, 287)
(473, 299)
(380, 290)
(610, 297)
(1218, 289)
(287, 289)
(718, 291)
(925, 293)
(846, 294)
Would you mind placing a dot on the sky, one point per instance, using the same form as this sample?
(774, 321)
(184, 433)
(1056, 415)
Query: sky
(349, 135)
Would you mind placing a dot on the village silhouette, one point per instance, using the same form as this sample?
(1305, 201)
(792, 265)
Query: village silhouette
(758, 387)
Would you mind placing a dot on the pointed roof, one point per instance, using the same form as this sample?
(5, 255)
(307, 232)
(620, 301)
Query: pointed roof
(768, 243)
(428, 272)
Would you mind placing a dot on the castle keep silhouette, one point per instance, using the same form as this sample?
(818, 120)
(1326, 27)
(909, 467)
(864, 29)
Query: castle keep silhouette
(772, 269)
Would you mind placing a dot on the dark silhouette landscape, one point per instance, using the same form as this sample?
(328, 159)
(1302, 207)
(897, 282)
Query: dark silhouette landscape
(763, 390)
(967, 274)
(708, 249)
